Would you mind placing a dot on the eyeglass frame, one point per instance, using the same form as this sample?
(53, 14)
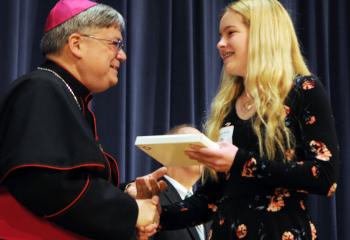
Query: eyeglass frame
(118, 44)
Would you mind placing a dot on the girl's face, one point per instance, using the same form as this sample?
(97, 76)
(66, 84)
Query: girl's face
(233, 43)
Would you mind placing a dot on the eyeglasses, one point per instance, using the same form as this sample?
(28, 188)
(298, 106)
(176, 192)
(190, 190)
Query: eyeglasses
(118, 44)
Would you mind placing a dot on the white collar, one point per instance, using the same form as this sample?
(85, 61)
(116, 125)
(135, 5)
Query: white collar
(179, 187)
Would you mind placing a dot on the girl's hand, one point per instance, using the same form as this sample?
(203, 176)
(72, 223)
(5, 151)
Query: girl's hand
(221, 159)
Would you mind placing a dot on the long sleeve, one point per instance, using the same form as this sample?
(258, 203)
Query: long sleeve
(192, 211)
(77, 201)
(312, 166)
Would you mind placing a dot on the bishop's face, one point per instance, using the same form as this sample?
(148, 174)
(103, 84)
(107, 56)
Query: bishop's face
(101, 58)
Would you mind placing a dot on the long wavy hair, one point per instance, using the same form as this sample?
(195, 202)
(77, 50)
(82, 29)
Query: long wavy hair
(274, 59)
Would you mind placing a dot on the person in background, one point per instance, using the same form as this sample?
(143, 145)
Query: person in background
(275, 129)
(51, 160)
(181, 181)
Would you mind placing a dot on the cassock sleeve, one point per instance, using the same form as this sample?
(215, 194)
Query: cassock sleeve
(77, 201)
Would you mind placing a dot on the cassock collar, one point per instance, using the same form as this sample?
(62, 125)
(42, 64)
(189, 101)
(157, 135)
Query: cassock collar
(80, 91)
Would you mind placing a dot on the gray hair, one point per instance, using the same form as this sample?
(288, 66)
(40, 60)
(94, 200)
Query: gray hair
(98, 16)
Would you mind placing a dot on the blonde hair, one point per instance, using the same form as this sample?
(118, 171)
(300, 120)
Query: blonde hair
(274, 59)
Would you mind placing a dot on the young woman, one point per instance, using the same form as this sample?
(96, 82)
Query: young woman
(276, 131)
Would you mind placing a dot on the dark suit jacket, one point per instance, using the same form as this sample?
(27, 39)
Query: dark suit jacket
(169, 196)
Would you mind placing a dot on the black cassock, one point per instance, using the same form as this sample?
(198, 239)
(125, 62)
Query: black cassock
(51, 160)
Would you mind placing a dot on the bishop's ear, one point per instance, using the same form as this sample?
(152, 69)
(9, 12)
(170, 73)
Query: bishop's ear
(76, 44)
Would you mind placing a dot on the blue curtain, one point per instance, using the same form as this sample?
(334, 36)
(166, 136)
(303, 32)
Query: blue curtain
(172, 74)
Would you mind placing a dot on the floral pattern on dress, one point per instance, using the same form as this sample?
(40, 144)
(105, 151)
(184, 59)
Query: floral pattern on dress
(332, 190)
(308, 84)
(287, 119)
(241, 231)
(249, 168)
(277, 201)
(213, 207)
(309, 119)
(289, 154)
(313, 231)
(320, 149)
(287, 109)
(222, 221)
(287, 236)
(315, 172)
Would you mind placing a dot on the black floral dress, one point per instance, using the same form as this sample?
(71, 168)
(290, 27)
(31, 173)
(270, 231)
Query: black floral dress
(260, 199)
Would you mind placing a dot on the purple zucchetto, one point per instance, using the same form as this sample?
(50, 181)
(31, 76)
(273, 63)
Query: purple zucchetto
(65, 10)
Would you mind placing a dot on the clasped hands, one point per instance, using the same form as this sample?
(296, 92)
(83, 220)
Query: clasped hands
(147, 188)
(145, 191)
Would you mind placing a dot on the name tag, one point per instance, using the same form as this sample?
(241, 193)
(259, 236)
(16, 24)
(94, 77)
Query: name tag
(226, 134)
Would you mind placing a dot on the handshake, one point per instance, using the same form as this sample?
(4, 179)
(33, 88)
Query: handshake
(145, 191)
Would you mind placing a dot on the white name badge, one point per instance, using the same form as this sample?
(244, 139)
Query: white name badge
(226, 134)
